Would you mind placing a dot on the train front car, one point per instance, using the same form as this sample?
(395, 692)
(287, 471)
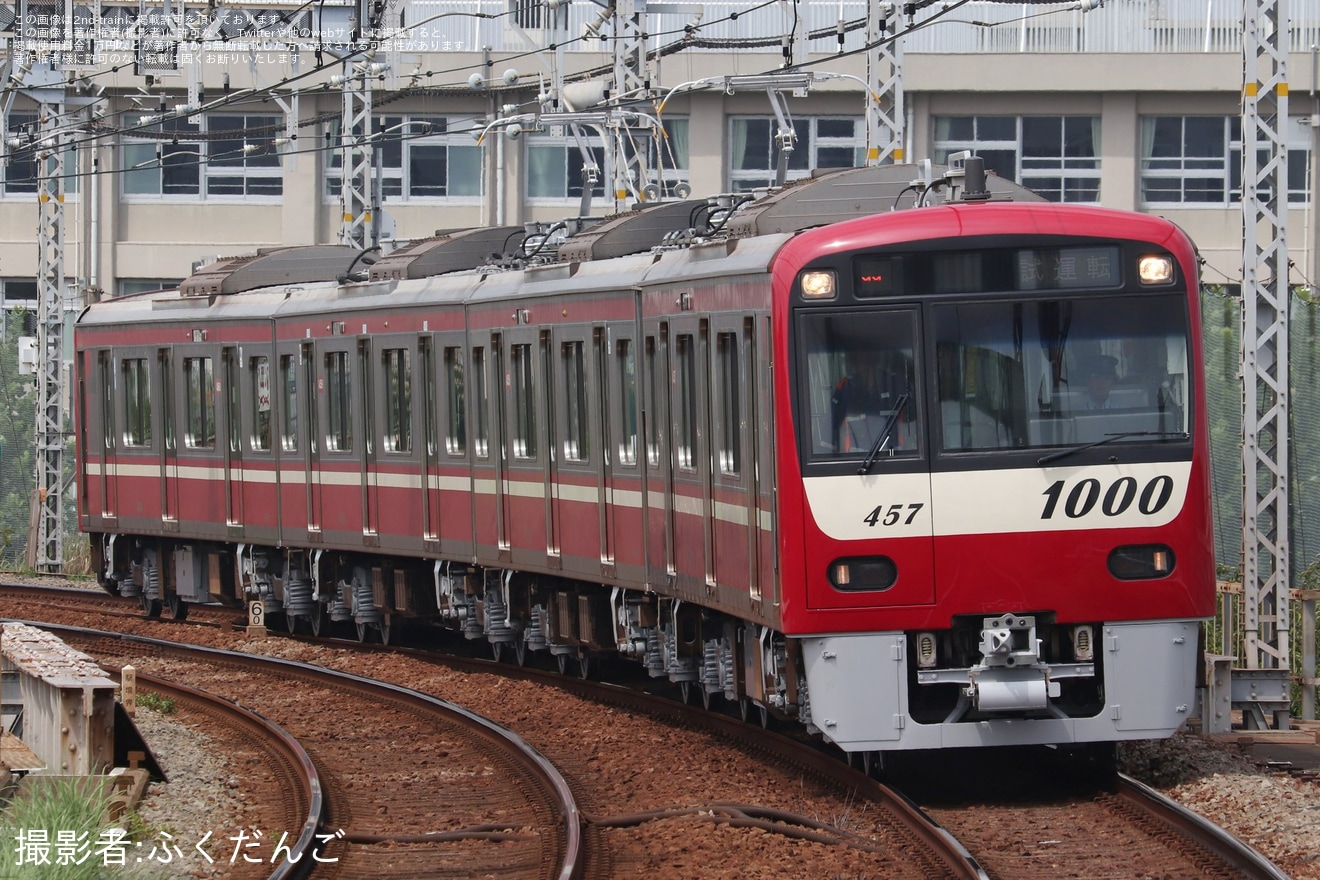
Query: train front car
(994, 478)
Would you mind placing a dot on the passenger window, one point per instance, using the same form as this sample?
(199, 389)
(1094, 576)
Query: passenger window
(456, 438)
(576, 441)
(137, 402)
(259, 376)
(199, 403)
(397, 364)
(339, 412)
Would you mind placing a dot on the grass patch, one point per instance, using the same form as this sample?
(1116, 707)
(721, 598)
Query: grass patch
(157, 703)
(49, 812)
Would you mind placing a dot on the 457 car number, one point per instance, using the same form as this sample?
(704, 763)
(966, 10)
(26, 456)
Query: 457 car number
(1115, 499)
(888, 515)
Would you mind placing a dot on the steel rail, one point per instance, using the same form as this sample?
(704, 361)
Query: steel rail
(1241, 856)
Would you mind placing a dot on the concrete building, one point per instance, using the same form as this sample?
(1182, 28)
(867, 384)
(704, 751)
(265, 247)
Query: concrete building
(1131, 105)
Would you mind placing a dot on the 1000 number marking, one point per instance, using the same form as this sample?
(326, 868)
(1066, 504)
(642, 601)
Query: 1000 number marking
(1115, 500)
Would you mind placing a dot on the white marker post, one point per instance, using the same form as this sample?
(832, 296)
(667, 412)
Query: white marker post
(256, 628)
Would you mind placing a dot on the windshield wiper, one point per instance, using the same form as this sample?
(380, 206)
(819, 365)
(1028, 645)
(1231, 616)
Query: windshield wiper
(1109, 438)
(884, 435)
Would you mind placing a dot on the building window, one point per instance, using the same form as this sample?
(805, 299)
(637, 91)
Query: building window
(556, 168)
(821, 142)
(1057, 157)
(456, 437)
(237, 158)
(137, 402)
(339, 403)
(289, 402)
(577, 446)
(20, 169)
(200, 403)
(259, 376)
(397, 364)
(1197, 160)
(127, 286)
(419, 159)
(524, 401)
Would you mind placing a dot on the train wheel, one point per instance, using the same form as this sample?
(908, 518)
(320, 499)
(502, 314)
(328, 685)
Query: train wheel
(705, 698)
(870, 762)
(318, 619)
(497, 651)
(520, 652)
(744, 708)
(178, 607)
(764, 717)
(290, 623)
(584, 665)
(362, 632)
(385, 633)
(151, 607)
(562, 661)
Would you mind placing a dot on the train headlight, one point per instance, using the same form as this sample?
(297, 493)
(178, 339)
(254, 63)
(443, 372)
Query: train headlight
(818, 284)
(1139, 562)
(1155, 269)
(861, 574)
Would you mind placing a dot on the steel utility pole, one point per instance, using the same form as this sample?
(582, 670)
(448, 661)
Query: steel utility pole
(884, 80)
(1264, 685)
(49, 555)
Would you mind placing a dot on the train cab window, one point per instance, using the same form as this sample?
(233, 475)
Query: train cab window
(1034, 374)
(480, 404)
(199, 403)
(628, 391)
(456, 391)
(137, 402)
(861, 395)
(289, 403)
(397, 365)
(339, 402)
(524, 401)
(730, 405)
(259, 377)
(577, 444)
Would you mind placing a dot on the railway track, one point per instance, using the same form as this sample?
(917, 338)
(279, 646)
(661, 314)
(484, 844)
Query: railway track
(1062, 829)
(390, 805)
(974, 845)
(280, 769)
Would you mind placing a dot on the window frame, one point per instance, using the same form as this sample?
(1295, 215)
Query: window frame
(1082, 170)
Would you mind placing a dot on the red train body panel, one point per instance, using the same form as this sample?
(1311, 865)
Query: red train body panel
(925, 478)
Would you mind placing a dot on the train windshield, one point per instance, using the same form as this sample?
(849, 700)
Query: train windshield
(1007, 374)
(1022, 374)
(862, 384)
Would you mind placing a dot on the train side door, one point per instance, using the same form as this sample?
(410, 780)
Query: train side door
(232, 431)
(577, 459)
(459, 399)
(658, 462)
(105, 381)
(623, 532)
(690, 484)
(732, 514)
(527, 507)
(369, 456)
(169, 443)
(500, 442)
(429, 394)
(313, 386)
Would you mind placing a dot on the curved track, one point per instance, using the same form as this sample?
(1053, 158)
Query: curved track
(407, 776)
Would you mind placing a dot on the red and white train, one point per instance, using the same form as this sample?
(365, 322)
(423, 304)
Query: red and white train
(916, 477)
